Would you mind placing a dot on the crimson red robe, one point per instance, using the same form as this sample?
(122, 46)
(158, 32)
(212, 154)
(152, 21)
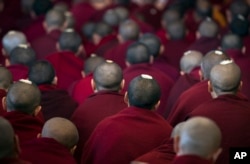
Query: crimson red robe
(82, 89)
(3, 94)
(27, 127)
(118, 54)
(188, 101)
(190, 159)
(56, 102)
(231, 113)
(46, 44)
(13, 161)
(68, 68)
(105, 44)
(46, 150)
(163, 80)
(18, 71)
(125, 136)
(92, 111)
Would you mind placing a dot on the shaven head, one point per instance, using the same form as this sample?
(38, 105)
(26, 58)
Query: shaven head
(7, 135)
(12, 39)
(108, 76)
(199, 136)
(91, 63)
(211, 59)
(41, 72)
(122, 13)
(55, 18)
(225, 77)
(171, 15)
(208, 28)
(144, 92)
(231, 41)
(5, 78)
(176, 30)
(102, 29)
(239, 26)
(152, 42)
(177, 129)
(190, 60)
(111, 17)
(61, 130)
(129, 30)
(138, 53)
(23, 97)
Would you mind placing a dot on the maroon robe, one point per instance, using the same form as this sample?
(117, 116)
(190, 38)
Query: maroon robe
(163, 80)
(162, 34)
(125, 136)
(82, 89)
(13, 161)
(68, 68)
(205, 44)
(246, 41)
(18, 71)
(3, 94)
(231, 113)
(105, 44)
(188, 101)
(46, 150)
(46, 44)
(56, 102)
(26, 126)
(92, 111)
(190, 159)
(182, 84)
(118, 54)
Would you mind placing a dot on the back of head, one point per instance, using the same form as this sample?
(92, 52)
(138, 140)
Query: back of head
(208, 28)
(55, 18)
(7, 135)
(137, 53)
(61, 130)
(88, 29)
(61, 6)
(23, 54)
(41, 72)
(231, 41)
(102, 29)
(23, 97)
(70, 40)
(239, 26)
(152, 42)
(203, 8)
(239, 7)
(108, 76)
(91, 63)
(225, 77)
(111, 17)
(122, 13)
(41, 7)
(211, 59)
(171, 15)
(69, 19)
(199, 136)
(144, 92)
(129, 30)
(190, 60)
(12, 39)
(176, 30)
(5, 78)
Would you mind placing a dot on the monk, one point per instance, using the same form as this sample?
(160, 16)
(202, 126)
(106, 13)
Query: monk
(23, 104)
(138, 129)
(227, 106)
(192, 98)
(55, 144)
(9, 146)
(107, 82)
(55, 102)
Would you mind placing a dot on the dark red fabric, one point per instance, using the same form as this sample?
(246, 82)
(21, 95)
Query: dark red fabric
(125, 136)
(188, 101)
(118, 53)
(231, 113)
(164, 154)
(2, 57)
(46, 44)
(46, 150)
(144, 27)
(246, 41)
(92, 111)
(27, 127)
(18, 71)
(162, 34)
(164, 81)
(56, 102)
(105, 44)
(3, 93)
(68, 68)
(82, 89)
(182, 84)
(190, 159)
(13, 161)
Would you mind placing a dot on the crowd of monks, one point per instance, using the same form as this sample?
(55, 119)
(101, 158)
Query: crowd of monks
(124, 81)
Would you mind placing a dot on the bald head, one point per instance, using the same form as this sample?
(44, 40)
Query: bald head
(111, 17)
(176, 30)
(129, 30)
(152, 42)
(190, 60)
(62, 130)
(23, 97)
(5, 78)
(70, 40)
(55, 18)
(122, 13)
(91, 63)
(144, 92)
(211, 59)
(7, 135)
(171, 15)
(225, 77)
(102, 29)
(208, 28)
(203, 8)
(199, 136)
(108, 76)
(138, 53)
(177, 129)
(231, 41)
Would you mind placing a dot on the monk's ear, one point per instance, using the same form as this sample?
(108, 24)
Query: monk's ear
(93, 85)
(243, 50)
(176, 144)
(240, 86)
(122, 84)
(96, 39)
(162, 48)
(210, 88)
(83, 74)
(127, 63)
(55, 80)
(4, 52)
(126, 98)
(198, 35)
(216, 154)
(39, 135)
(201, 75)
(4, 103)
(80, 50)
(58, 46)
(45, 26)
(120, 39)
(72, 150)
(17, 145)
(151, 59)
(7, 62)
(182, 73)
(37, 110)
